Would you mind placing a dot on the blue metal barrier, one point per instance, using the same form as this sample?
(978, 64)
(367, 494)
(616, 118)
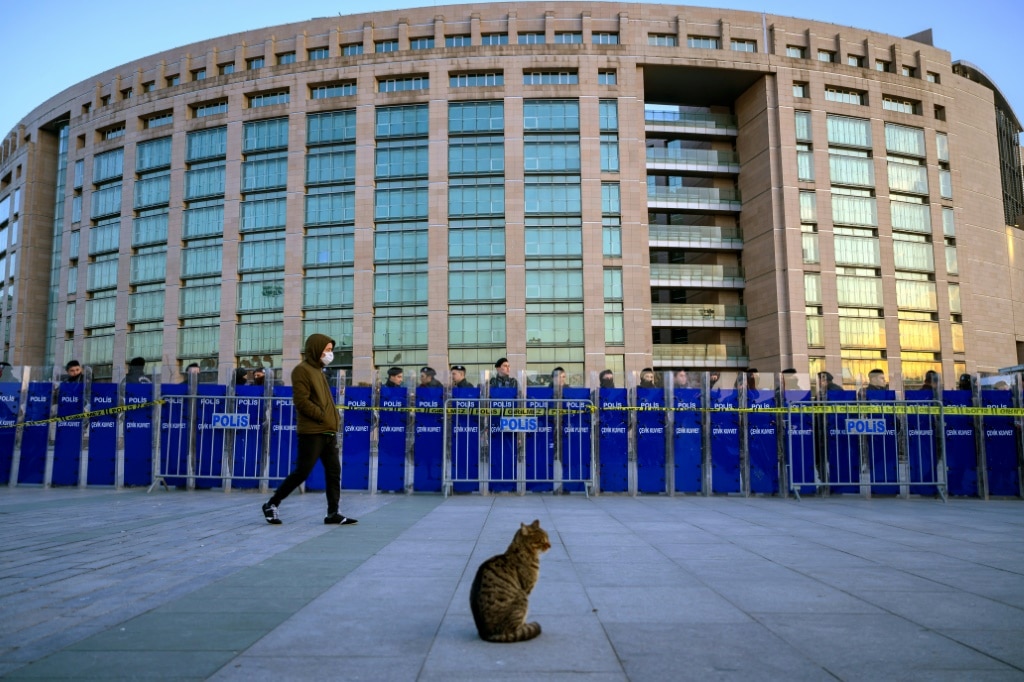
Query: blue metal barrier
(35, 440)
(613, 440)
(687, 440)
(102, 450)
(355, 442)
(725, 442)
(428, 440)
(1002, 468)
(67, 442)
(650, 440)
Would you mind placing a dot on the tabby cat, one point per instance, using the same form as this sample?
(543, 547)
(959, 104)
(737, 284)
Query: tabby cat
(501, 590)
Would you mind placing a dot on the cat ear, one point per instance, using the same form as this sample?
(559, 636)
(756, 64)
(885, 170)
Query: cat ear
(536, 524)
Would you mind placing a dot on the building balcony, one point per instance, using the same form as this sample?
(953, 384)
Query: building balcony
(694, 199)
(693, 355)
(698, 315)
(694, 237)
(696, 276)
(693, 160)
(676, 122)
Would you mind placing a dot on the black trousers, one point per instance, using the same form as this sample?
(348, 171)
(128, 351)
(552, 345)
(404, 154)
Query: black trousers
(313, 447)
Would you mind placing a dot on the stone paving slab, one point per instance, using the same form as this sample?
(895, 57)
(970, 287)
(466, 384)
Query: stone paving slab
(103, 584)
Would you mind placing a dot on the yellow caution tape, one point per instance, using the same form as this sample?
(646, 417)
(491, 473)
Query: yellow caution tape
(84, 415)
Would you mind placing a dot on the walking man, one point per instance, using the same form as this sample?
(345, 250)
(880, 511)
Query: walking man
(317, 427)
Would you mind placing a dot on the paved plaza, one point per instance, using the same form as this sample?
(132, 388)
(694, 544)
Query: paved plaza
(176, 585)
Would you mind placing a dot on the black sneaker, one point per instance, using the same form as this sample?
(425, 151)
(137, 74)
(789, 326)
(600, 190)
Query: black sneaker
(337, 518)
(270, 513)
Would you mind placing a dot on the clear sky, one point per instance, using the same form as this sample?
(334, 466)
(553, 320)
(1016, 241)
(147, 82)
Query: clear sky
(49, 45)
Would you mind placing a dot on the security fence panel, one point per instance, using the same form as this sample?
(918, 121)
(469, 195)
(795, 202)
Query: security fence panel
(540, 444)
(317, 480)
(209, 461)
(355, 444)
(102, 468)
(176, 433)
(463, 448)
(687, 440)
(762, 442)
(577, 439)
(1000, 447)
(613, 439)
(138, 435)
(428, 444)
(804, 458)
(35, 439)
(391, 438)
(961, 452)
(10, 403)
(284, 439)
(842, 447)
(67, 441)
(249, 406)
(503, 451)
(880, 445)
(922, 444)
(725, 441)
(650, 440)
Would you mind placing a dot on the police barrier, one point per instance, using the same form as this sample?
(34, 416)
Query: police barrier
(240, 437)
(522, 432)
(864, 451)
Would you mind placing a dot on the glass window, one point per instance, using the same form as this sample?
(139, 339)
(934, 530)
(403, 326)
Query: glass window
(553, 241)
(910, 71)
(948, 222)
(844, 96)
(854, 60)
(150, 230)
(263, 214)
(153, 191)
(552, 194)
(568, 38)
(469, 80)
(173, 80)
(907, 177)
(605, 38)
(401, 203)
(268, 99)
(206, 144)
(204, 182)
(400, 288)
(329, 249)
(335, 90)
(848, 169)
(153, 154)
(607, 77)
(327, 209)
(476, 156)
(662, 40)
(471, 243)
(265, 135)
(201, 261)
(207, 221)
(108, 165)
(476, 117)
(805, 162)
(796, 52)
(328, 288)
(494, 39)
(149, 267)
(854, 210)
(803, 126)
(858, 332)
(198, 301)
(551, 78)
(850, 132)
(264, 174)
(331, 168)
(318, 53)
(945, 184)
(558, 328)
(882, 65)
(457, 41)
(551, 153)
(158, 120)
(201, 110)
(421, 43)
(263, 254)
(808, 207)
(942, 146)
(262, 296)
(225, 69)
(904, 106)
(401, 160)
(551, 115)
(904, 140)
(385, 46)
(481, 285)
(826, 56)
(812, 288)
(476, 330)
(912, 255)
(932, 77)
(199, 75)
(403, 121)
(403, 84)
(743, 45)
(553, 284)
(484, 199)
(801, 89)
(254, 63)
(857, 251)
(535, 38)
(609, 153)
(916, 295)
(702, 42)
(809, 243)
(910, 217)
(330, 127)
(106, 201)
(352, 49)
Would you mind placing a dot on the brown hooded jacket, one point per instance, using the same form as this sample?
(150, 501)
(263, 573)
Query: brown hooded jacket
(315, 410)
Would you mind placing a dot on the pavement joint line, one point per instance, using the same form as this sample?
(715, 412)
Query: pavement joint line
(398, 516)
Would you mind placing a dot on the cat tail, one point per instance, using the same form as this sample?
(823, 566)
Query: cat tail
(520, 634)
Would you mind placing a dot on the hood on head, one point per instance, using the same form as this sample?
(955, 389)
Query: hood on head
(315, 345)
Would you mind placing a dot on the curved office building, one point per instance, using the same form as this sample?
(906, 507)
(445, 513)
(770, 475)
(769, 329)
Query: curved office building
(588, 185)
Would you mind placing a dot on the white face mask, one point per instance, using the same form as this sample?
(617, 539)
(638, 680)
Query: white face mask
(327, 358)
